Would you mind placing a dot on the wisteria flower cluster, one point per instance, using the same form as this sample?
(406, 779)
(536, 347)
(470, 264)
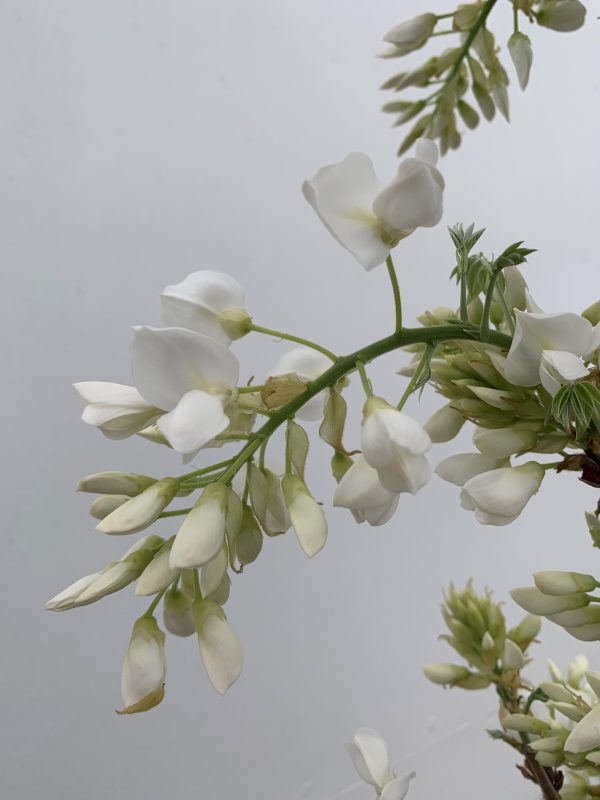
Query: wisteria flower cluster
(527, 381)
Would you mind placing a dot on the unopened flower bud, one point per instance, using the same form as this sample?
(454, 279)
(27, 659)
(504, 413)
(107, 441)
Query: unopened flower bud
(249, 540)
(531, 599)
(586, 734)
(158, 574)
(526, 631)
(525, 724)
(143, 679)
(236, 322)
(202, 533)
(557, 692)
(521, 52)
(550, 744)
(142, 510)
(220, 647)
(576, 713)
(444, 425)
(107, 503)
(561, 15)
(445, 674)
(213, 572)
(306, 515)
(412, 34)
(560, 583)
(503, 442)
(177, 613)
(513, 657)
(127, 483)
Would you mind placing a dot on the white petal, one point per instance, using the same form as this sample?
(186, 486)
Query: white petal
(500, 495)
(462, 467)
(342, 194)
(195, 421)
(196, 302)
(304, 361)
(398, 788)
(202, 534)
(586, 734)
(369, 755)
(111, 394)
(144, 667)
(426, 150)
(169, 362)
(405, 473)
(558, 367)
(360, 488)
(537, 332)
(413, 199)
(500, 443)
(213, 572)
(220, 648)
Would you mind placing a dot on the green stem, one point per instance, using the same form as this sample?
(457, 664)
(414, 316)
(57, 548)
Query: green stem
(180, 512)
(396, 291)
(152, 607)
(291, 338)
(248, 389)
(347, 364)
(484, 327)
(364, 378)
(197, 592)
(288, 452)
(464, 266)
(204, 470)
(506, 309)
(443, 33)
(423, 364)
(445, 16)
(515, 16)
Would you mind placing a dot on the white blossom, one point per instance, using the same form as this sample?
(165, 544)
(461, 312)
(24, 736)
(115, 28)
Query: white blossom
(306, 515)
(562, 15)
(206, 302)
(369, 755)
(497, 497)
(369, 219)
(144, 669)
(360, 491)
(142, 510)
(190, 376)
(521, 53)
(394, 444)
(460, 468)
(202, 534)
(412, 34)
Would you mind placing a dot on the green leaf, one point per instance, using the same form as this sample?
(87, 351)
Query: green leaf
(593, 524)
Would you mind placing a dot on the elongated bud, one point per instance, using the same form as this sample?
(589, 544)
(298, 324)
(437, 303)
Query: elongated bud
(308, 520)
(213, 572)
(202, 534)
(561, 15)
(446, 674)
(593, 678)
(236, 322)
(107, 503)
(550, 744)
(531, 599)
(68, 597)
(586, 734)
(331, 429)
(521, 53)
(592, 313)
(297, 442)
(526, 631)
(144, 669)
(561, 583)
(177, 613)
(158, 574)
(116, 576)
(569, 710)
(523, 723)
(513, 657)
(115, 483)
(412, 34)
(503, 442)
(557, 692)
(249, 541)
(142, 510)
(220, 647)
(576, 670)
(444, 425)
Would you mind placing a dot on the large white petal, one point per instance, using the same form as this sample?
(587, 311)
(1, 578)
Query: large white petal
(342, 194)
(406, 472)
(360, 488)
(460, 468)
(413, 199)
(197, 301)
(168, 362)
(195, 421)
(398, 788)
(308, 364)
(558, 368)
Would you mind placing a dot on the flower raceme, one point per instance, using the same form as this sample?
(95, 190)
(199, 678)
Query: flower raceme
(368, 218)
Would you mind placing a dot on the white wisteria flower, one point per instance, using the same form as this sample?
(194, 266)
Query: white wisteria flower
(412, 34)
(220, 648)
(207, 302)
(521, 53)
(368, 218)
(498, 496)
(369, 755)
(308, 365)
(119, 411)
(562, 15)
(460, 468)
(394, 444)
(144, 669)
(547, 349)
(360, 491)
(140, 511)
(190, 376)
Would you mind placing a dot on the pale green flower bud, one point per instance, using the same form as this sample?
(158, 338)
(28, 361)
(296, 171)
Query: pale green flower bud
(521, 52)
(561, 15)
(412, 34)
(550, 759)
(503, 442)
(569, 710)
(158, 574)
(523, 723)
(445, 674)
(142, 510)
(585, 633)
(331, 429)
(555, 672)
(249, 540)
(116, 576)
(143, 679)
(106, 504)
(307, 517)
(513, 657)
(213, 572)
(576, 670)
(551, 744)
(561, 583)
(115, 483)
(444, 424)
(593, 678)
(236, 322)
(526, 631)
(177, 613)
(220, 594)
(557, 692)
(592, 313)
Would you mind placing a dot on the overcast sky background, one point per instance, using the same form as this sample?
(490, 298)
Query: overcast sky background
(142, 140)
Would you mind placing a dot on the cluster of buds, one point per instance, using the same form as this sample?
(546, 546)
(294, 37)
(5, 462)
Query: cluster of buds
(478, 633)
(564, 598)
(477, 68)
